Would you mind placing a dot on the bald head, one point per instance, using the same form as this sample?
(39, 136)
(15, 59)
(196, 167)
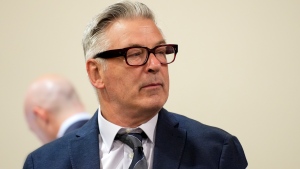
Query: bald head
(53, 93)
(50, 100)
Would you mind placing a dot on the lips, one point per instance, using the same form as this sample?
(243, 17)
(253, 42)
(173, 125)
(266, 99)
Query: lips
(152, 85)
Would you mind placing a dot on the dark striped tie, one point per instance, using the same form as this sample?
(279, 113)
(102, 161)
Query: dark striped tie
(134, 140)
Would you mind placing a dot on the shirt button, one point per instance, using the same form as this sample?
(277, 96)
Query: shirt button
(131, 155)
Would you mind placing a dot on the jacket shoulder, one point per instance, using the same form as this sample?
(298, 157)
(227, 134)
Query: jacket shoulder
(195, 127)
(45, 156)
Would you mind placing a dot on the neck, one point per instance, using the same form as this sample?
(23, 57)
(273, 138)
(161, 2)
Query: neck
(124, 118)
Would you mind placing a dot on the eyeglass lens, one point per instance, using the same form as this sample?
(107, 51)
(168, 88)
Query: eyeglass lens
(138, 55)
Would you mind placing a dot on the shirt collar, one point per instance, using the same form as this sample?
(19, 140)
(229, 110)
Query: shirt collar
(108, 135)
(71, 120)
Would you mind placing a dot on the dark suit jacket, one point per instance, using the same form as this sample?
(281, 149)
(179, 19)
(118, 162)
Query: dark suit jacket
(75, 126)
(180, 143)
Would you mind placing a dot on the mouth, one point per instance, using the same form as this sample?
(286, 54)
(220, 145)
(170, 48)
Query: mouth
(152, 86)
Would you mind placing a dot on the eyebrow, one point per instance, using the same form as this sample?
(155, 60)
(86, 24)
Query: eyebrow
(138, 45)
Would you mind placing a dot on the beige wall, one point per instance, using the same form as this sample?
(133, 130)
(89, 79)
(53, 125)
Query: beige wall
(238, 68)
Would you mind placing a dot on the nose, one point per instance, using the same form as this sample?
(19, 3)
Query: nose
(153, 64)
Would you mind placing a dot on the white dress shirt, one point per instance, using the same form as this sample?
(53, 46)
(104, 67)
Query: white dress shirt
(117, 155)
(71, 120)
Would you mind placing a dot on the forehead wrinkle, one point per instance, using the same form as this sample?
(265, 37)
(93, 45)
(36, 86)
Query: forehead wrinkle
(125, 37)
(161, 42)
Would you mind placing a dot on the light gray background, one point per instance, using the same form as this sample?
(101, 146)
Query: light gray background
(237, 68)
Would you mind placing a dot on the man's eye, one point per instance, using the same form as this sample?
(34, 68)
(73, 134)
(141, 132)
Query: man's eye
(136, 54)
(161, 52)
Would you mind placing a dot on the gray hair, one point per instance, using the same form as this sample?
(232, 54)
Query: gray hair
(94, 39)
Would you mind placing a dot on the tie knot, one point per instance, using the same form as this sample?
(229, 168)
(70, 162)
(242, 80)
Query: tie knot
(133, 140)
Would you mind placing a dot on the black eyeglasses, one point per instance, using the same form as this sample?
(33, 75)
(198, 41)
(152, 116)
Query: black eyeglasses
(138, 56)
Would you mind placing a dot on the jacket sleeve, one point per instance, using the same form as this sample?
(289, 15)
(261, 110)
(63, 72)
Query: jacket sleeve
(232, 156)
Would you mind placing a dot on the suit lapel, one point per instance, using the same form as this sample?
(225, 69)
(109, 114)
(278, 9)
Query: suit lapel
(169, 141)
(84, 149)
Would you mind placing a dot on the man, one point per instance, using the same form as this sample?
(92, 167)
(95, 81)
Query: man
(127, 62)
(52, 108)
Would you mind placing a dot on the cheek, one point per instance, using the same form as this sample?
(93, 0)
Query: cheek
(165, 74)
(118, 81)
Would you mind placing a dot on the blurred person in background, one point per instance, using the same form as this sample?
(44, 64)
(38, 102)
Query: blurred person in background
(53, 108)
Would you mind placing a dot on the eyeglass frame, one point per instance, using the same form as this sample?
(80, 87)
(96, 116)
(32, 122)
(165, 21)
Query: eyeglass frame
(123, 52)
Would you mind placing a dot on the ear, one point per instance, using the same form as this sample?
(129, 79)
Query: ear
(41, 114)
(94, 70)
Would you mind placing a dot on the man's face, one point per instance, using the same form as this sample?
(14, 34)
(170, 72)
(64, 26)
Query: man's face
(135, 88)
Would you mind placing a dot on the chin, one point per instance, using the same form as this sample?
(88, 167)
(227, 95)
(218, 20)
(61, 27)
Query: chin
(152, 103)
(154, 106)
